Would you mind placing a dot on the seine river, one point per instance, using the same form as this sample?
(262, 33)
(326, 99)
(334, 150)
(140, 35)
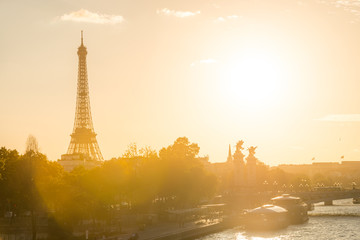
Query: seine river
(340, 221)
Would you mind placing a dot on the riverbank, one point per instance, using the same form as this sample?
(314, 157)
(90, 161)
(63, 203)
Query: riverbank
(172, 231)
(156, 231)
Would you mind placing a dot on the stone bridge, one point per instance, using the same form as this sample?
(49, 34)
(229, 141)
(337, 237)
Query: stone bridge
(250, 199)
(327, 196)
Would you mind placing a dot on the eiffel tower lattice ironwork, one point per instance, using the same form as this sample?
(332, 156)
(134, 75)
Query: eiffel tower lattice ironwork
(83, 144)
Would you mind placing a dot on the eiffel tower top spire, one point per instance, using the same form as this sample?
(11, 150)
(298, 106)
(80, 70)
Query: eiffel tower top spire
(83, 144)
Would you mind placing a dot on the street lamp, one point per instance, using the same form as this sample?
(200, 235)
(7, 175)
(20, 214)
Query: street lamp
(265, 183)
(275, 185)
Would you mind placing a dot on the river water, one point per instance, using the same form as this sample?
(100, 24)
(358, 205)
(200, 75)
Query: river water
(340, 221)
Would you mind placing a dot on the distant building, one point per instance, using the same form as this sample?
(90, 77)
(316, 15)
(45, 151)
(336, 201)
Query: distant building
(335, 169)
(230, 157)
(351, 164)
(70, 161)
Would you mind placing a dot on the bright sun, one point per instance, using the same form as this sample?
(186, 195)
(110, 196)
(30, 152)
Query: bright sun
(256, 79)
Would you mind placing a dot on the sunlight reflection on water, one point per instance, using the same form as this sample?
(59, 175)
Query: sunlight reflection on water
(340, 221)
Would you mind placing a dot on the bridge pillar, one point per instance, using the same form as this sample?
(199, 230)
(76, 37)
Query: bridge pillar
(328, 203)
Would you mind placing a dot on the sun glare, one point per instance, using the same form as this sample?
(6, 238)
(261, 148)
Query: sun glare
(255, 79)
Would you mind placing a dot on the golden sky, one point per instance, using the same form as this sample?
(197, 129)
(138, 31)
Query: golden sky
(283, 75)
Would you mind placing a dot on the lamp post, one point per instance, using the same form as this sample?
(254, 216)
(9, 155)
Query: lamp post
(275, 186)
(301, 187)
(265, 184)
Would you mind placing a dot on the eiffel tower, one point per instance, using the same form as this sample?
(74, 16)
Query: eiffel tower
(84, 148)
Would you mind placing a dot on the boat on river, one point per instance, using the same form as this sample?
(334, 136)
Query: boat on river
(297, 209)
(266, 217)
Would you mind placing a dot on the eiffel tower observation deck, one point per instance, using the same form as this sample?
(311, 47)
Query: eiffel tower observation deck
(84, 148)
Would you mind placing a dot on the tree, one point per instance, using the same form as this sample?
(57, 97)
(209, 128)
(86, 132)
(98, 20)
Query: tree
(183, 175)
(32, 144)
(7, 159)
(142, 168)
(131, 151)
(32, 150)
(28, 181)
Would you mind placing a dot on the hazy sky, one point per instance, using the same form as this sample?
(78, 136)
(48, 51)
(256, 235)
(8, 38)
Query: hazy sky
(282, 75)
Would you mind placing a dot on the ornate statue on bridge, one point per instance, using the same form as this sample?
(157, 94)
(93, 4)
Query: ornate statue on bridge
(238, 155)
(251, 150)
(251, 161)
(239, 166)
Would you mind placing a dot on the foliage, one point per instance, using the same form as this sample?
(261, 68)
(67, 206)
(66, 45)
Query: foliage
(140, 181)
(30, 182)
(184, 177)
